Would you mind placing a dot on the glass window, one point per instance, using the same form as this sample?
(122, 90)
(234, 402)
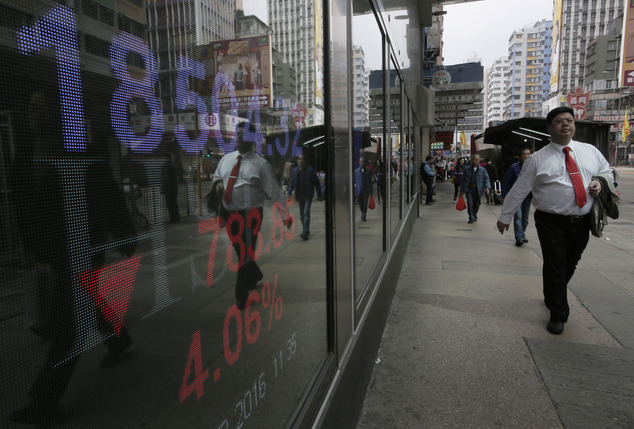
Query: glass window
(163, 225)
(368, 160)
(396, 150)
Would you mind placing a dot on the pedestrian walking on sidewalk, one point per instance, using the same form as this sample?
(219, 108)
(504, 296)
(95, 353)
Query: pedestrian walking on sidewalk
(456, 174)
(475, 182)
(493, 177)
(560, 177)
(520, 218)
(428, 178)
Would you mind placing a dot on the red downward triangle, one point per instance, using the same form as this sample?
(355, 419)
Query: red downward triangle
(110, 287)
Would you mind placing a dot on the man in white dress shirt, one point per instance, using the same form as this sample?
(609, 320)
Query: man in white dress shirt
(562, 213)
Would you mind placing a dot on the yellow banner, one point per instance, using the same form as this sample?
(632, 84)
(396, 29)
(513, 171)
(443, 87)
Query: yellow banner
(556, 49)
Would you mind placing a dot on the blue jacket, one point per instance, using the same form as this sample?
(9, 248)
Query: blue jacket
(481, 179)
(310, 182)
(510, 177)
(362, 181)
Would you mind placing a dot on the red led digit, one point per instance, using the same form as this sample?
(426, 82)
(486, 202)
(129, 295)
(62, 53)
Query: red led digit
(214, 225)
(277, 214)
(195, 357)
(236, 239)
(252, 316)
(232, 356)
(255, 215)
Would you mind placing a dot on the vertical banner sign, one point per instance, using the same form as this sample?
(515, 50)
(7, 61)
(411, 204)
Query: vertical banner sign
(319, 57)
(627, 53)
(556, 48)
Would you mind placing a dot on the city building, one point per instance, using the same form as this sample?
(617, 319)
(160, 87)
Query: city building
(459, 103)
(575, 25)
(360, 89)
(295, 33)
(495, 91)
(528, 66)
(139, 292)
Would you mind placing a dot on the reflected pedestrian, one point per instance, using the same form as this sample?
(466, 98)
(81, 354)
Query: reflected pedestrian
(171, 176)
(363, 186)
(304, 182)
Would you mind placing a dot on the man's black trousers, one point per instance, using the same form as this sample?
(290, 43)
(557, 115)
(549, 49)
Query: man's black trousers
(562, 239)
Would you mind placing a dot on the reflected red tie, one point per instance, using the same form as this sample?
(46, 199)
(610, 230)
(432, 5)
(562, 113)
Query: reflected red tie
(232, 180)
(575, 176)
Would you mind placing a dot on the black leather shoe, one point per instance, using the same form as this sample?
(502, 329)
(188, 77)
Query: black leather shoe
(555, 327)
(519, 243)
(525, 241)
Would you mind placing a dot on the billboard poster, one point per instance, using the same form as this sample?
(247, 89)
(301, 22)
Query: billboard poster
(244, 69)
(556, 48)
(319, 56)
(627, 55)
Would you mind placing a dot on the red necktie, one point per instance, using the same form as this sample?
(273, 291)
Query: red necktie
(575, 176)
(232, 179)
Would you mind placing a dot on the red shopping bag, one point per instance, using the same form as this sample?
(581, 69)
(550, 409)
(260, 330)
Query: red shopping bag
(371, 204)
(461, 205)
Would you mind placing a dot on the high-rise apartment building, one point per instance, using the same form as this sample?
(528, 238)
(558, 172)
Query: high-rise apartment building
(361, 89)
(576, 23)
(528, 65)
(495, 88)
(294, 35)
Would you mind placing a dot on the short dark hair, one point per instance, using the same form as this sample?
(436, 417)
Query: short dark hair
(429, 157)
(556, 111)
(246, 124)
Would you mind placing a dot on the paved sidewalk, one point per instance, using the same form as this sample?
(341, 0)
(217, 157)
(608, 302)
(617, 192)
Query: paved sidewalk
(466, 346)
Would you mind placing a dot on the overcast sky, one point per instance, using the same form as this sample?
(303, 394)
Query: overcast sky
(482, 28)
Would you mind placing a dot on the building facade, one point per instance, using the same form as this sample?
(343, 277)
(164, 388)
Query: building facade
(528, 67)
(294, 34)
(576, 24)
(495, 91)
(361, 89)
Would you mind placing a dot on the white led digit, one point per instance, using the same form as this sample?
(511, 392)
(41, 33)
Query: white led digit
(130, 87)
(58, 29)
(188, 67)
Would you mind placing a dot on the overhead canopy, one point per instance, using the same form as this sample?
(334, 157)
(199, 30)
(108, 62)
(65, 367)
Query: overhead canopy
(517, 133)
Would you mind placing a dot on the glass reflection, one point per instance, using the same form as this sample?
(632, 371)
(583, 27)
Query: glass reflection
(131, 222)
(396, 139)
(368, 167)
